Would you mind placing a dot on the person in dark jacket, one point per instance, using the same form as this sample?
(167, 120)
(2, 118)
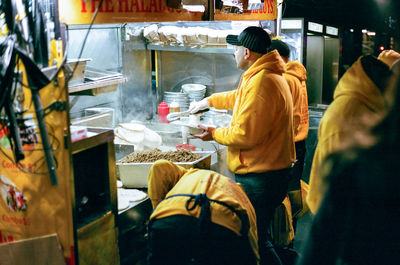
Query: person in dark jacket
(357, 222)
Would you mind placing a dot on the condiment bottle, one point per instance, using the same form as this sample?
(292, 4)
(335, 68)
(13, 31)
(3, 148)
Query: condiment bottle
(174, 107)
(163, 111)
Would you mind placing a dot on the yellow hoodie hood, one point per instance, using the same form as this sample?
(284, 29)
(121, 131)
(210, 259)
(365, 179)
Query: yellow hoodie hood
(356, 83)
(271, 62)
(297, 70)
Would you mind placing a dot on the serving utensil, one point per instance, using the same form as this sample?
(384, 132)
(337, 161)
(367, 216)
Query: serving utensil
(176, 115)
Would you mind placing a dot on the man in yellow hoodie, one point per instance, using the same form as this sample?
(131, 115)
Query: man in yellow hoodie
(199, 215)
(260, 138)
(358, 102)
(296, 76)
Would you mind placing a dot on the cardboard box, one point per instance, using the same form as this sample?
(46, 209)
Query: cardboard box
(32, 251)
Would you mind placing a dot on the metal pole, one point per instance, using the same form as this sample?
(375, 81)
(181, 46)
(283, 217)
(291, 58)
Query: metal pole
(211, 10)
(44, 136)
(279, 17)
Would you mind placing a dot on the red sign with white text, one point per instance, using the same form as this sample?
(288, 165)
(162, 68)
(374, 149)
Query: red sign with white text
(73, 12)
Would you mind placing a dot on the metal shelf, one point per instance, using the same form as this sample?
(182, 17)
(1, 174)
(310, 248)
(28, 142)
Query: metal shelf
(191, 49)
(96, 87)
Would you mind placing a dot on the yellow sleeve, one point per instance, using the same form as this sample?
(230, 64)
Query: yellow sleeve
(223, 100)
(328, 143)
(162, 178)
(295, 87)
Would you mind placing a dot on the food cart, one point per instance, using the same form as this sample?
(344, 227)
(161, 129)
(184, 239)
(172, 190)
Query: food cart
(125, 76)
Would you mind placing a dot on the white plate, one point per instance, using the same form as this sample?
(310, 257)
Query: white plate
(132, 195)
(123, 204)
(193, 87)
(193, 129)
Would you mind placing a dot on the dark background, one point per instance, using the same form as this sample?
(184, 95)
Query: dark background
(370, 14)
(351, 16)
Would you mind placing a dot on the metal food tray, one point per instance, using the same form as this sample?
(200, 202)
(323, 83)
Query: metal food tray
(93, 74)
(79, 67)
(134, 175)
(97, 82)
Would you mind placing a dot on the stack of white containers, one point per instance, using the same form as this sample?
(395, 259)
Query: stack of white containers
(196, 92)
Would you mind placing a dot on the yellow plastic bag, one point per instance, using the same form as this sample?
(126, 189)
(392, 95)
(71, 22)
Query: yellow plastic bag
(282, 231)
(29, 205)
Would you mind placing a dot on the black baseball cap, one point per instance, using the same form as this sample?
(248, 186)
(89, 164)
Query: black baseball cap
(282, 48)
(254, 38)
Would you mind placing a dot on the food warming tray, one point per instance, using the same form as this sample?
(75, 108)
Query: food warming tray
(134, 175)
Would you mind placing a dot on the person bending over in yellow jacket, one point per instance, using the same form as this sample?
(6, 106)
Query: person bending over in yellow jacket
(199, 216)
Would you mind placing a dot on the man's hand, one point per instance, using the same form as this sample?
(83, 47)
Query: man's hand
(206, 135)
(389, 57)
(197, 106)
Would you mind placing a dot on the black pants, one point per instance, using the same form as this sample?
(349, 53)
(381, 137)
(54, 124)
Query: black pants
(297, 170)
(176, 240)
(266, 191)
